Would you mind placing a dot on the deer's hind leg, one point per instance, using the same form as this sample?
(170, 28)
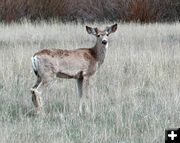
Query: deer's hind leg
(36, 91)
(36, 96)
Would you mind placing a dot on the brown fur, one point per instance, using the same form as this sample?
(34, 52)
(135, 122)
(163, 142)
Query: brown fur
(53, 52)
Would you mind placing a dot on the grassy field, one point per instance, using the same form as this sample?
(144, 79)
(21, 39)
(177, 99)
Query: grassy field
(136, 91)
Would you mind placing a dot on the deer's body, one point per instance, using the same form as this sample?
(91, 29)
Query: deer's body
(65, 63)
(79, 64)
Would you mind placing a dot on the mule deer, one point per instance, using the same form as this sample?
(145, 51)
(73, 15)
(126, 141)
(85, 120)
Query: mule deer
(79, 64)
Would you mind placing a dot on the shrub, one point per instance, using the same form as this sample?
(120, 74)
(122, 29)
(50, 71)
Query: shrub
(91, 10)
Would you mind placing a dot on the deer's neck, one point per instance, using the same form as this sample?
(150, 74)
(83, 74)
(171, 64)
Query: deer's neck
(100, 51)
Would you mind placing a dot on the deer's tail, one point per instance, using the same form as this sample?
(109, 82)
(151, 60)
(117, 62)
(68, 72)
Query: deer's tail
(35, 64)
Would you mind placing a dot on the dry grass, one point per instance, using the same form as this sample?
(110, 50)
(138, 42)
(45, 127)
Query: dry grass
(137, 88)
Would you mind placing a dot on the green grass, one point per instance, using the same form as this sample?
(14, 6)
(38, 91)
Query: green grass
(136, 91)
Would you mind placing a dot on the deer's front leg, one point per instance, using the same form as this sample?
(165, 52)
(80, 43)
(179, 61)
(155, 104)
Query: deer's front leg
(83, 88)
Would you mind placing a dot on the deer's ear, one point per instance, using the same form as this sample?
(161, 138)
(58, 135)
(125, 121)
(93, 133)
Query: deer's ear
(90, 30)
(112, 29)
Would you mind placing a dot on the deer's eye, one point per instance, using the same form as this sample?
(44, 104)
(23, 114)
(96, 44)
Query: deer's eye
(98, 35)
(107, 34)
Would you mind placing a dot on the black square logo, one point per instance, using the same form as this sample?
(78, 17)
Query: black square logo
(172, 136)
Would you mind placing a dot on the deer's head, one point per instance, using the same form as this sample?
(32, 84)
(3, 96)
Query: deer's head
(102, 35)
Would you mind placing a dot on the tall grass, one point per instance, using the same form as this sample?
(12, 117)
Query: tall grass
(136, 91)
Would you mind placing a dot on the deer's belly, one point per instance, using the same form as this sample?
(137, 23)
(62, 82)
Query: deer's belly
(71, 70)
(69, 75)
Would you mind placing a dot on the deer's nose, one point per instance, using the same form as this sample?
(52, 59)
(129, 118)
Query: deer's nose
(104, 42)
